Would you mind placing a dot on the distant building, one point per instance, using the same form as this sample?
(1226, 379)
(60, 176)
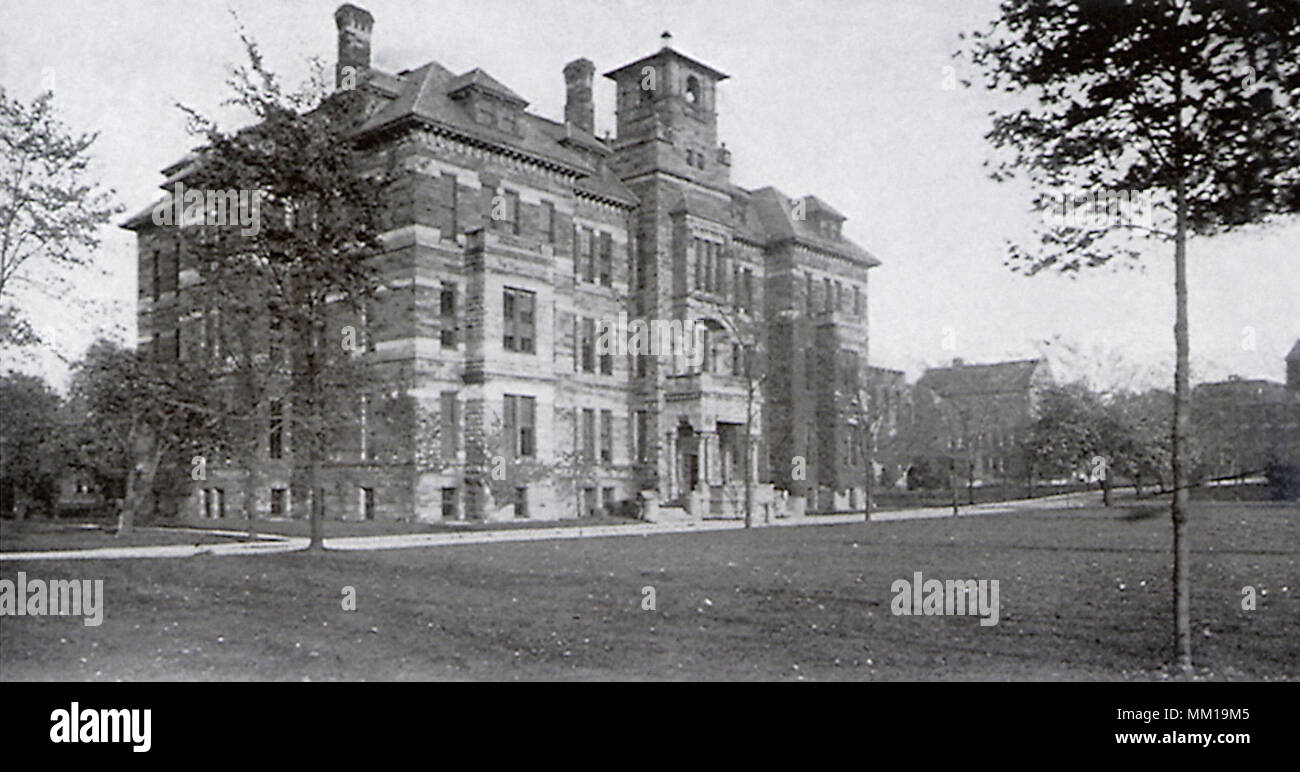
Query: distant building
(1245, 426)
(891, 405)
(973, 416)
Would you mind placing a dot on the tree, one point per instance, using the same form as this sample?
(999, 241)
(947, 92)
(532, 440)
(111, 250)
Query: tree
(136, 415)
(1188, 107)
(49, 212)
(323, 204)
(32, 440)
(752, 343)
(868, 424)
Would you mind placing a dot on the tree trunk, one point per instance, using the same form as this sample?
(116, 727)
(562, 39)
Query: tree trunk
(317, 542)
(1105, 487)
(250, 496)
(1182, 406)
(970, 482)
(126, 515)
(749, 419)
(952, 484)
(870, 476)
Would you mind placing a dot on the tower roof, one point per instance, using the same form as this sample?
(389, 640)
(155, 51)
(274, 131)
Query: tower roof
(667, 53)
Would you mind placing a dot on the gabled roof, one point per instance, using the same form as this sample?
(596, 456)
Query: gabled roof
(1294, 356)
(667, 51)
(776, 214)
(814, 204)
(479, 78)
(995, 378)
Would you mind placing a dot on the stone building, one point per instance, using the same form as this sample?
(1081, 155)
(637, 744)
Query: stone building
(975, 414)
(518, 241)
(1246, 426)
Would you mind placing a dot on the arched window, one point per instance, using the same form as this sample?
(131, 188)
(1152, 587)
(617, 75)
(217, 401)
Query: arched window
(693, 94)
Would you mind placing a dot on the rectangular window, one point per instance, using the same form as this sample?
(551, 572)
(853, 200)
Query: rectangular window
(512, 211)
(606, 359)
(606, 258)
(607, 498)
(642, 428)
(588, 434)
(588, 344)
(520, 328)
(447, 315)
(607, 436)
(828, 299)
(548, 222)
(367, 504)
(448, 426)
(519, 424)
(521, 502)
(589, 255)
(857, 301)
(276, 442)
(449, 504)
(156, 270)
(279, 501)
(808, 293)
(451, 199)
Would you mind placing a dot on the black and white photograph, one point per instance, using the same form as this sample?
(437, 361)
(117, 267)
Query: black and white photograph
(852, 341)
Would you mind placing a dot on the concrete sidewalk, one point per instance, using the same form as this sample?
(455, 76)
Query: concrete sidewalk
(280, 544)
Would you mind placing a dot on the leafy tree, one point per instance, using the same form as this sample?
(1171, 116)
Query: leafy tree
(49, 212)
(32, 440)
(1191, 103)
(136, 415)
(322, 200)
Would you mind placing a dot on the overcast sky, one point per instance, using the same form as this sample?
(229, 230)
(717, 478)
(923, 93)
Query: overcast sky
(846, 100)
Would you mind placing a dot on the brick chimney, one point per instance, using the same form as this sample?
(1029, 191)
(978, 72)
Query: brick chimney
(354, 25)
(578, 107)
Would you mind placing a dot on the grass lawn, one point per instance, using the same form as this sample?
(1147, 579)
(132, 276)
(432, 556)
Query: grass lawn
(42, 534)
(25, 535)
(337, 528)
(1084, 595)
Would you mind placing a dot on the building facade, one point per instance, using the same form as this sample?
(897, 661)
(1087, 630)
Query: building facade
(518, 244)
(972, 416)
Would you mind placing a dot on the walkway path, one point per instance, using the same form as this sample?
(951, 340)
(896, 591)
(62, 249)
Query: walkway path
(277, 544)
